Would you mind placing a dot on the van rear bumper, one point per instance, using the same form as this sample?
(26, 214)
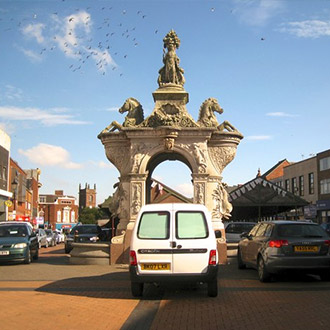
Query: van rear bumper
(210, 275)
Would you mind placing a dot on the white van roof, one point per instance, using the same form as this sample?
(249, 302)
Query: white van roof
(174, 207)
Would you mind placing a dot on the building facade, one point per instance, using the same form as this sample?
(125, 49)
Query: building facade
(87, 197)
(310, 180)
(58, 210)
(5, 194)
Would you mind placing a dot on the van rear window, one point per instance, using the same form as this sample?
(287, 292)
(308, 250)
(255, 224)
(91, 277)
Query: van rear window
(154, 225)
(191, 225)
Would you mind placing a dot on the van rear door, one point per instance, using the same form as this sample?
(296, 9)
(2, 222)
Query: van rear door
(191, 242)
(153, 236)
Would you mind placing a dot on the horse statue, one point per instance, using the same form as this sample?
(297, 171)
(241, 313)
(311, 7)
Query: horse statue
(206, 113)
(134, 117)
(207, 117)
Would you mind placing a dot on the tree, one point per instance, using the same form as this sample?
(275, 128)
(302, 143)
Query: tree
(91, 215)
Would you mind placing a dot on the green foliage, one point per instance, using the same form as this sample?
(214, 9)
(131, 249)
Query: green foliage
(91, 215)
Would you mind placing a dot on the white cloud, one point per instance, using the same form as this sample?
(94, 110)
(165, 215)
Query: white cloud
(186, 189)
(258, 137)
(101, 164)
(34, 31)
(33, 56)
(307, 29)
(280, 114)
(49, 155)
(111, 109)
(257, 12)
(8, 128)
(45, 117)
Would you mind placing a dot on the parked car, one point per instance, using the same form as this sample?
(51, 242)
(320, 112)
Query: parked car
(87, 234)
(173, 242)
(51, 238)
(68, 240)
(18, 242)
(234, 230)
(59, 236)
(326, 227)
(42, 237)
(277, 246)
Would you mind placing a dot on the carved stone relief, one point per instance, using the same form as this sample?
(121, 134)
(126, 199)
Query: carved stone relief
(200, 193)
(136, 197)
(222, 207)
(221, 156)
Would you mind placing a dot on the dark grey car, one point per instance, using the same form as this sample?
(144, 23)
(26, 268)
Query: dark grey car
(278, 246)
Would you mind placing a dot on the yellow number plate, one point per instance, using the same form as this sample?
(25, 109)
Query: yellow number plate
(155, 266)
(311, 248)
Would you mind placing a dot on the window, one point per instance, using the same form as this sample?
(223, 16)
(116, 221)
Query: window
(311, 183)
(59, 216)
(301, 185)
(191, 225)
(42, 199)
(325, 186)
(154, 225)
(287, 185)
(66, 202)
(324, 163)
(294, 186)
(90, 198)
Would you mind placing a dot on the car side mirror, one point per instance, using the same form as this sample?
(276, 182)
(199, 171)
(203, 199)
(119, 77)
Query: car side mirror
(218, 234)
(244, 235)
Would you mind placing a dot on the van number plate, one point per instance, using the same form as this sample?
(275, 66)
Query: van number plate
(155, 267)
(311, 248)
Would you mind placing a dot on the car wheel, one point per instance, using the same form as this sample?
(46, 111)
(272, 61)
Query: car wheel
(212, 288)
(36, 256)
(67, 250)
(325, 276)
(240, 263)
(264, 275)
(28, 258)
(136, 289)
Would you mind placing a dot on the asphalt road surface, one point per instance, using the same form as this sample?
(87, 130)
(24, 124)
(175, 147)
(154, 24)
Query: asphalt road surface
(53, 294)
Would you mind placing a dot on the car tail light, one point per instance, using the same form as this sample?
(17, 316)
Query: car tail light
(278, 243)
(327, 242)
(213, 257)
(132, 258)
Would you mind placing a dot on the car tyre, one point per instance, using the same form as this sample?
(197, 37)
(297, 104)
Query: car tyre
(67, 250)
(36, 256)
(28, 258)
(212, 288)
(264, 275)
(136, 289)
(325, 276)
(240, 263)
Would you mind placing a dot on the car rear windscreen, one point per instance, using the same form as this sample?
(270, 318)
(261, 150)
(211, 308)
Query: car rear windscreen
(300, 230)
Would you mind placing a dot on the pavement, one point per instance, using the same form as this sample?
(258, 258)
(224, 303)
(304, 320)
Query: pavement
(53, 294)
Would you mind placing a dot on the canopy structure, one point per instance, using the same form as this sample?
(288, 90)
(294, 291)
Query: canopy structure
(260, 198)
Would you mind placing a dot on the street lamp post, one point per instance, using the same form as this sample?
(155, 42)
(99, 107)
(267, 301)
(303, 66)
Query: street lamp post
(14, 185)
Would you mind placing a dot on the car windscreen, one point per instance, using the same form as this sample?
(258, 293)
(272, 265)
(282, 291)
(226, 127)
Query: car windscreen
(86, 230)
(239, 228)
(13, 231)
(191, 225)
(154, 225)
(300, 230)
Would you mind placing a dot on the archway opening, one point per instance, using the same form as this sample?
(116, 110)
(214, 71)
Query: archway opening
(171, 169)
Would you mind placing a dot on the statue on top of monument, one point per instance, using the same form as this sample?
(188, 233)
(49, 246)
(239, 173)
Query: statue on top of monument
(171, 73)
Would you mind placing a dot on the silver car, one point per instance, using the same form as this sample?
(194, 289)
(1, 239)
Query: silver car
(277, 246)
(42, 237)
(235, 229)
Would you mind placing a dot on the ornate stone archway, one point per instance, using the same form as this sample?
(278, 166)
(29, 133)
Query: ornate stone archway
(206, 146)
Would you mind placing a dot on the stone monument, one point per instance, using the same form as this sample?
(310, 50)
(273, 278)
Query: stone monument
(138, 145)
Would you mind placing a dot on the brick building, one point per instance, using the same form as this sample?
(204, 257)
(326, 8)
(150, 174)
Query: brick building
(87, 197)
(58, 210)
(5, 193)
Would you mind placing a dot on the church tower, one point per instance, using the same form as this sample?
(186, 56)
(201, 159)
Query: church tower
(87, 197)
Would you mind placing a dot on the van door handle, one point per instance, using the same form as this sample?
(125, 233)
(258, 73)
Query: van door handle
(173, 244)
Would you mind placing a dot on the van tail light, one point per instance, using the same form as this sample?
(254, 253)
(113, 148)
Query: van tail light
(278, 243)
(132, 258)
(213, 257)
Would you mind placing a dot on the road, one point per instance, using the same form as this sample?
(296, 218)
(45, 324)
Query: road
(52, 294)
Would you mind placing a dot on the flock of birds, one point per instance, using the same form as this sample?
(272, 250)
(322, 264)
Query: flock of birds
(78, 43)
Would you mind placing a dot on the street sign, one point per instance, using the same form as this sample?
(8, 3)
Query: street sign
(8, 203)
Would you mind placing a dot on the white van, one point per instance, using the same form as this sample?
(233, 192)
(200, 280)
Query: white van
(173, 242)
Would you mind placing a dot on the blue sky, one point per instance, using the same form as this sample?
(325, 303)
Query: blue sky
(67, 66)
